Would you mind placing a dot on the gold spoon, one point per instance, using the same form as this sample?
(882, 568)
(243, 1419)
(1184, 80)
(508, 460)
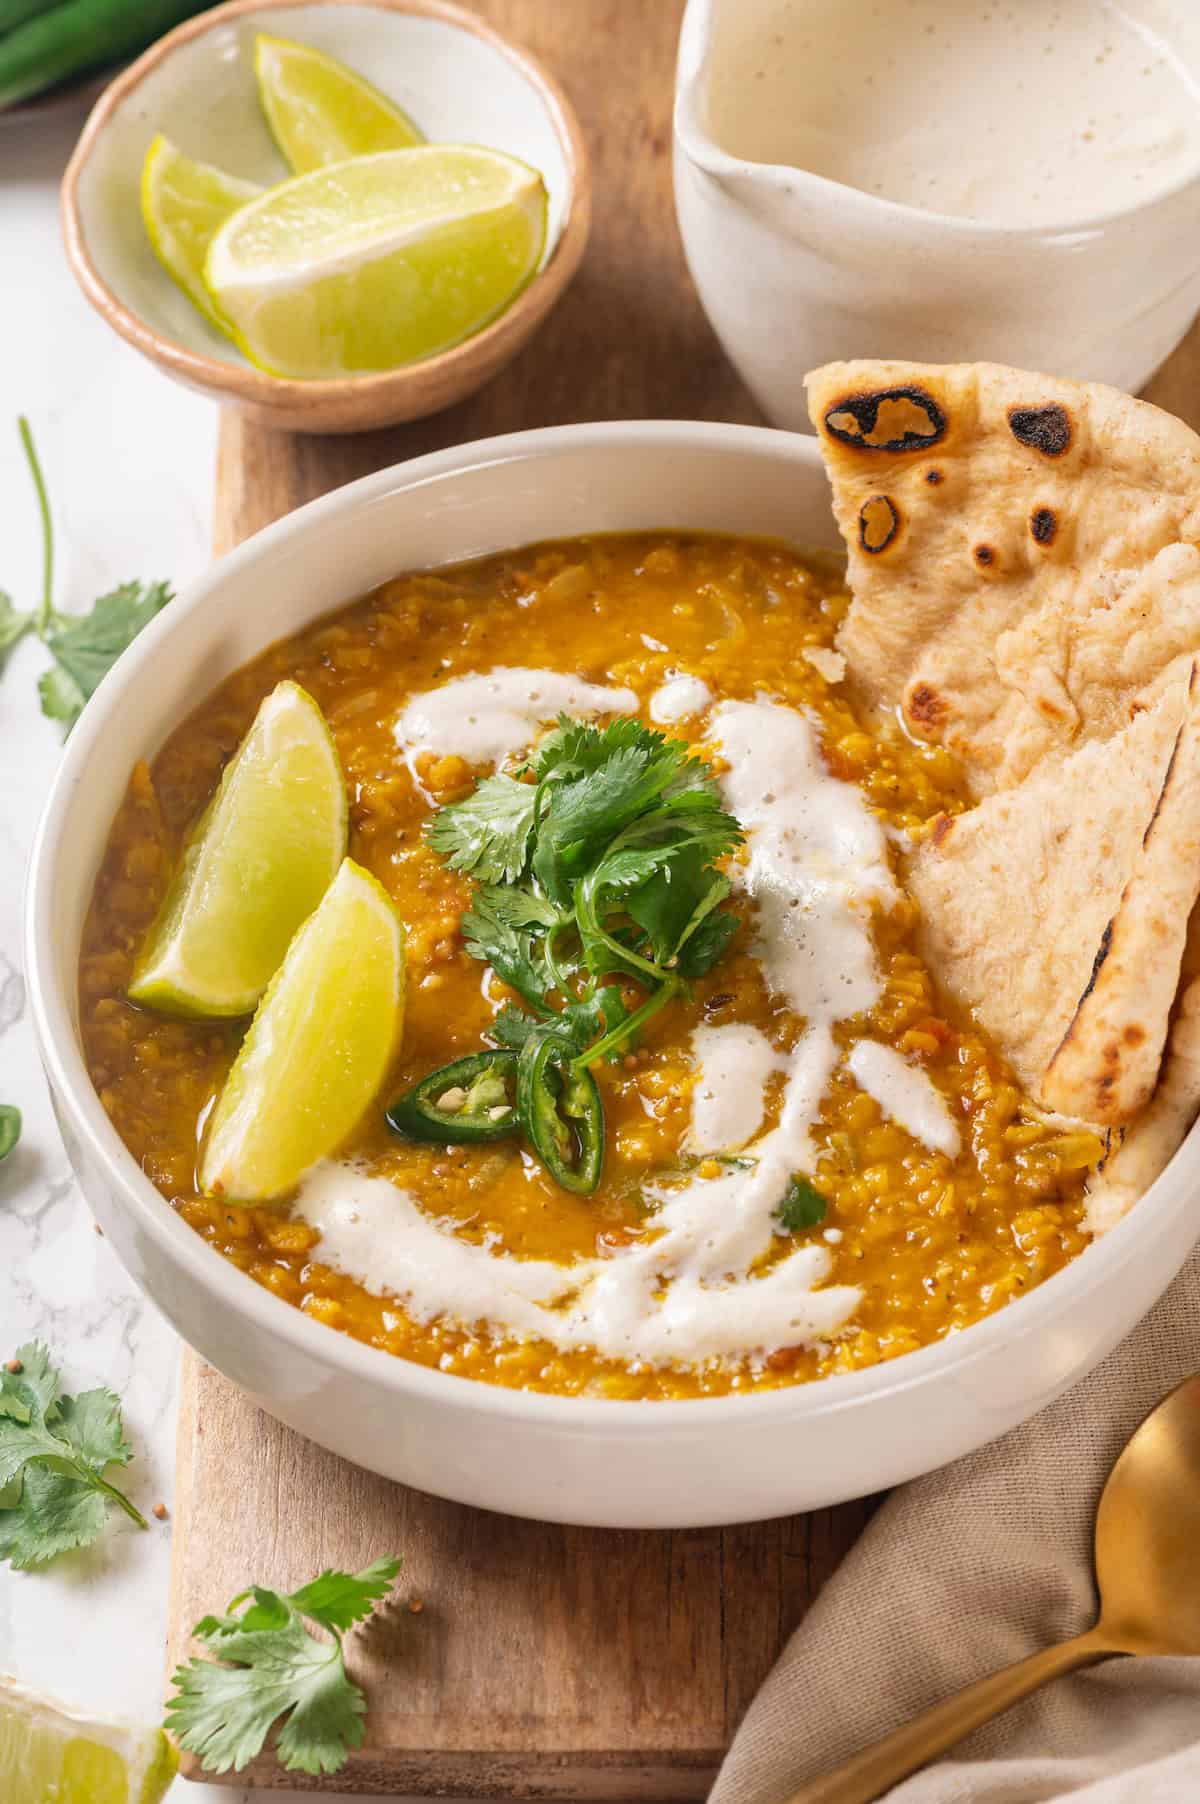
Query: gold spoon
(1148, 1574)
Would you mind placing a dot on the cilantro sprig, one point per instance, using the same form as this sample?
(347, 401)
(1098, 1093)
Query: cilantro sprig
(271, 1665)
(595, 869)
(600, 866)
(54, 1452)
(84, 646)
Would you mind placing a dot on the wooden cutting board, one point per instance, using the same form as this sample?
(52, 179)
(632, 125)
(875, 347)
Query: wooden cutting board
(544, 1662)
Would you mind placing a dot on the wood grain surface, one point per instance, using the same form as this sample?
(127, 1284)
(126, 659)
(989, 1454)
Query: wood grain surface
(544, 1662)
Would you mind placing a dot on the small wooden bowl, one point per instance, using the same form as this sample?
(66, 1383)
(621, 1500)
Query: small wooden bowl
(459, 79)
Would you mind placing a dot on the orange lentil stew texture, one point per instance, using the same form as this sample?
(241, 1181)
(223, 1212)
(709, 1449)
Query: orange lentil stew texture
(934, 1243)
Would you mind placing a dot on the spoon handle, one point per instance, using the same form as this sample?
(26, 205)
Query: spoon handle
(868, 1774)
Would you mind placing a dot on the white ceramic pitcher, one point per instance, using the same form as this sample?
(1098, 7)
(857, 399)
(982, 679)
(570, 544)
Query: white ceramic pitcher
(795, 269)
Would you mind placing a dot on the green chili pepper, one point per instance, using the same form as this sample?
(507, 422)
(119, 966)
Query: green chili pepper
(78, 35)
(471, 1100)
(561, 1112)
(10, 1128)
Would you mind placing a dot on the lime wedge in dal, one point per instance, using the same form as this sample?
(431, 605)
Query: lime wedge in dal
(263, 855)
(317, 1050)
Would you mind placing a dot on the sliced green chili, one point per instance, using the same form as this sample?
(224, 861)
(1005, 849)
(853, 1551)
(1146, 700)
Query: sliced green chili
(472, 1100)
(561, 1112)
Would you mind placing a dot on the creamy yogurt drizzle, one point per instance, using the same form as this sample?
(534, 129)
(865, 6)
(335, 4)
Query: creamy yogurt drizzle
(733, 1065)
(905, 1093)
(486, 719)
(816, 859)
(681, 698)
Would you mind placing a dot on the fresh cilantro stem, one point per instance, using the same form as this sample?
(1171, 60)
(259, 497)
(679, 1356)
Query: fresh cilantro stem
(632, 1025)
(83, 646)
(115, 1496)
(46, 611)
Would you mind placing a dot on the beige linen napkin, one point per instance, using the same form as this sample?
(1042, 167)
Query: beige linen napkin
(974, 1567)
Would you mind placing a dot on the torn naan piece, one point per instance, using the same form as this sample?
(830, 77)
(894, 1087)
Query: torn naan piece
(1149, 1144)
(1023, 553)
(1058, 911)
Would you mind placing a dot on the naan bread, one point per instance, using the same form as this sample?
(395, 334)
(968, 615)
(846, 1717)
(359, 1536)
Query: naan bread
(1150, 1143)
(1059, 909)
(1023, 553)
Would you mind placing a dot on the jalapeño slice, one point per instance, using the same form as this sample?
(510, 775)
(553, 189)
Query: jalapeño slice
(469, 1101)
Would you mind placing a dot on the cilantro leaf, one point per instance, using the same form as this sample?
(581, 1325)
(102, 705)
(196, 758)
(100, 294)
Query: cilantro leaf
(61, 697)
(272, 1667)
(10, 1128)
(86, 646)
(338, 1600)
(34, 1385)
(802, 1207)
(520, 907)
(516, 957)
(611, 776)
(488, 833)
(704, 946)
(54, 1452)
(512, 1027)
(91, 1424)
(50, 1514)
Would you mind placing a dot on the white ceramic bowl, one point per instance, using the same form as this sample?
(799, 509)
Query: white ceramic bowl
(580, 1460)
(795, 270)
(457, 78)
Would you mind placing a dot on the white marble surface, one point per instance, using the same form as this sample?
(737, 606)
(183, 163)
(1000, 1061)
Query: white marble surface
(128, 458)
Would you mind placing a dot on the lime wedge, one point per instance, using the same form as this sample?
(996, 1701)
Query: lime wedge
(317, 1050)
(183, 203)
(379, 261)
(321, 112)
(263, 855)
(48, 1751)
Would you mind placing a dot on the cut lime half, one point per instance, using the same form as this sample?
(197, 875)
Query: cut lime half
(380, 261)
(317, 1050)
(319, 111)
(50, 1754)
(261, 858)
(183, 203)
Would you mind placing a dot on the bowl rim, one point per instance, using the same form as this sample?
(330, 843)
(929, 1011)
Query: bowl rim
(242, 381)
(330, 1348)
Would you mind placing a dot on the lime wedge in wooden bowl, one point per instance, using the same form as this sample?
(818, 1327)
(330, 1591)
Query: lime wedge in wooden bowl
(380, 261)
(319, 111)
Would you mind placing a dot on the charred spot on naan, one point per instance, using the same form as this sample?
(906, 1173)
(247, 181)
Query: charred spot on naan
(887, 419)
(878, 523)
(1047, 429)
(925, 708)
(1043, 525)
